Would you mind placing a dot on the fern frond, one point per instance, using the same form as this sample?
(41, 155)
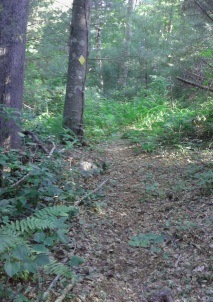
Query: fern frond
(59, 210)
(42, 219)
(29, 224)
(57, 268)
(8, 242)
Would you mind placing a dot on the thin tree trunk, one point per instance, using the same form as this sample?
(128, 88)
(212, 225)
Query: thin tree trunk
(13, 24)
(125, 68)
(98, 46)
(79, 36)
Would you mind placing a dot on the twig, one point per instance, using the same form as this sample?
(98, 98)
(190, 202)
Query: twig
(52, 284)
(18, 183)
(15, 185)
(36, 140)
(178, 260)
(65, 292)
(80, 201)
(52, 150)
(47, 292)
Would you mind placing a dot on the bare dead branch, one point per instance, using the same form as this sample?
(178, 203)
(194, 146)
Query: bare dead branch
(203, 10)
(65, 292)
(36, 140)
(195, 84)
(80, 201)
(18, 183)
(52, 150)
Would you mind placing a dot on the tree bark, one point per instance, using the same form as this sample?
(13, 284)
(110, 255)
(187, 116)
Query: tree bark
(127, 40)
(78, 55)
(98, 46)
(13, 24)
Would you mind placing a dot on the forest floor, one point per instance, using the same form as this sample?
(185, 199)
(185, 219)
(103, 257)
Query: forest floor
(162, 199)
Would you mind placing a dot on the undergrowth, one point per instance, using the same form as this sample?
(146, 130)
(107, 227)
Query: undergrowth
(150, 121)
(36, 197)
(36, 190)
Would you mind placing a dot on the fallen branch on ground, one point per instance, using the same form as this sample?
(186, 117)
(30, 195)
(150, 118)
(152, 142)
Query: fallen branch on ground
(80, 201)
(45, 296)
(40, 143)
(18, 183)
(65, 292)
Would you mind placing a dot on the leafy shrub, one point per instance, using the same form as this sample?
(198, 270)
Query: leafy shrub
(25, 245)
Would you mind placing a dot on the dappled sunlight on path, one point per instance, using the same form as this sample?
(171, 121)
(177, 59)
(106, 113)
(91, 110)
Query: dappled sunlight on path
(155, 196)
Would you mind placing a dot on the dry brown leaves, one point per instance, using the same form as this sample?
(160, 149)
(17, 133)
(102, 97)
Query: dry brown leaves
(145, 194)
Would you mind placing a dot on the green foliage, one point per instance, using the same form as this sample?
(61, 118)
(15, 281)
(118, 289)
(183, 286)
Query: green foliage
(205, 181)
(25, 245)
(151, 122)
(17, 249)
(146, 240)
(42, 219)
(46, 57)
(61, 269)
(46, 180)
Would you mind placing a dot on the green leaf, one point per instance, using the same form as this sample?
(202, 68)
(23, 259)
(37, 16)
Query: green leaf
(165, 256)
(39, 248)
(42, 260)
(144, 240)
(2, 161)
(39, 237)
(155, 249)
(20, 252)
(12, 268)
(75, 260)
(21, 298)
(49, 240)
(29, 267)
(61, 236)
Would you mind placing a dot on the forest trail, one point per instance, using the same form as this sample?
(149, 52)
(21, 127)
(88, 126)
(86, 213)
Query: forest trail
(153, 195)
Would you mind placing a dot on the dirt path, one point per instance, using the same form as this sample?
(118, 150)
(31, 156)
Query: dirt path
(154, 195)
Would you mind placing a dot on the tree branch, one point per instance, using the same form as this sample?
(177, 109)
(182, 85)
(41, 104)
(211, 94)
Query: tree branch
(80, 201)
(195, 85)
(203, 10)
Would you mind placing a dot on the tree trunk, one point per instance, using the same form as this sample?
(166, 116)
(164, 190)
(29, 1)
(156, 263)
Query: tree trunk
(127, 40)
(74, 99)
(13, 24)
(98, 46)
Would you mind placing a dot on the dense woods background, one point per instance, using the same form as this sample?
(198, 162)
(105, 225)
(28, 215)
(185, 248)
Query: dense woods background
(140, 51)
(95, 70)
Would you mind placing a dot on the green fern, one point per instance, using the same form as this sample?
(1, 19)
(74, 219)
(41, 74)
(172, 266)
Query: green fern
(29, 224)
(42, 219)
(59, 210)
(8, 242)
(20, 232)
(57, 268)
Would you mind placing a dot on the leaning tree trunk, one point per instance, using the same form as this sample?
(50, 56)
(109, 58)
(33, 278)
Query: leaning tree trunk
(13, 24)
(78, 54)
